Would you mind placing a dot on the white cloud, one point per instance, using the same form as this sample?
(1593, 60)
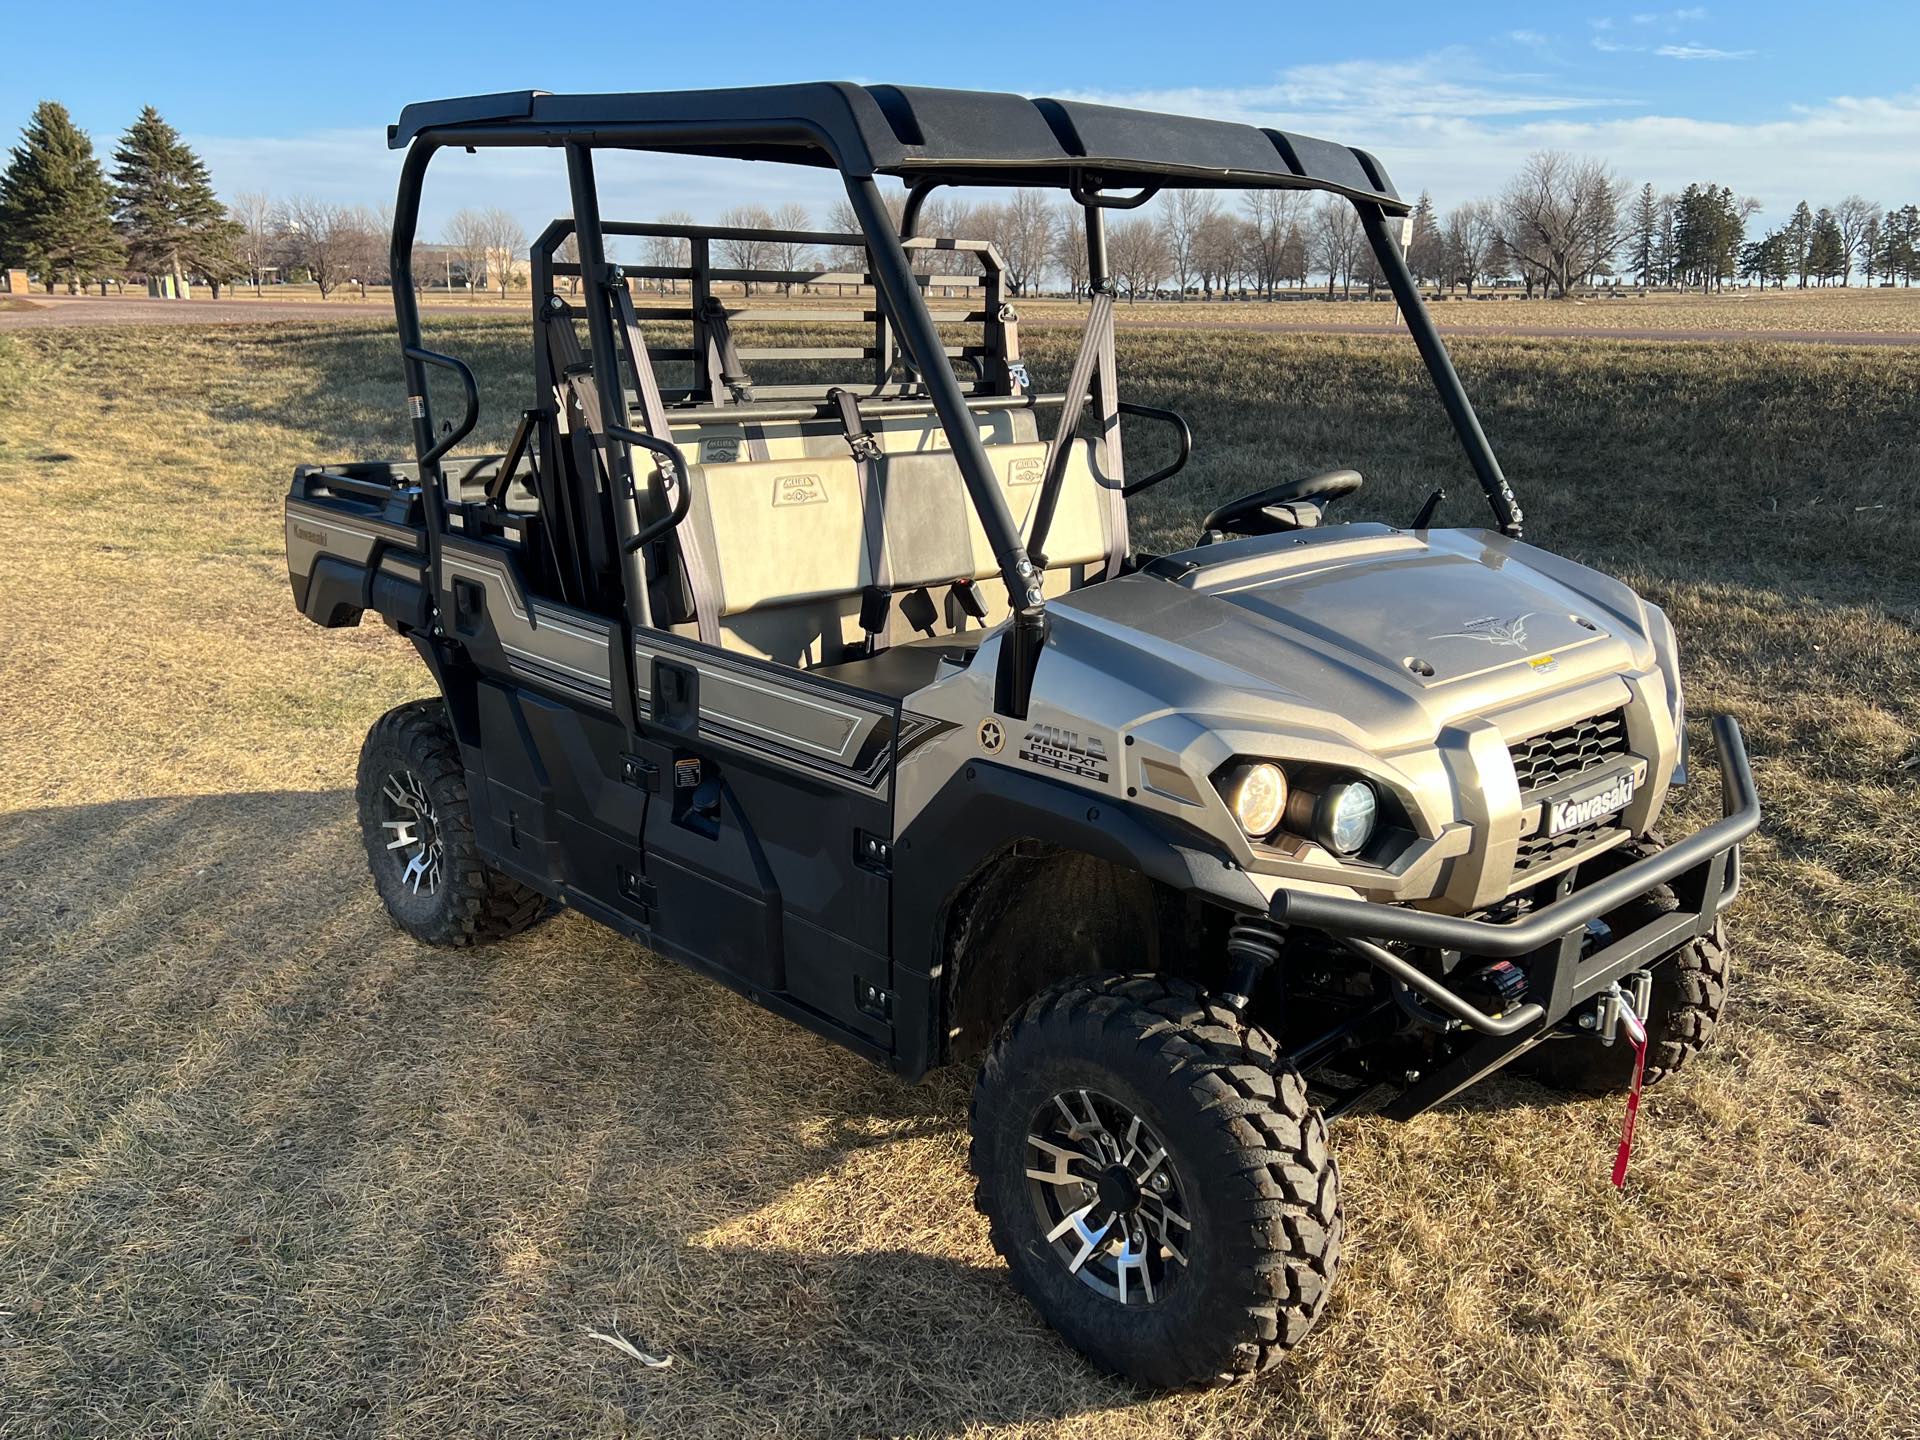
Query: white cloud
(1441, 123)
(1466, 132)
(1532, 39)
(1701, 52)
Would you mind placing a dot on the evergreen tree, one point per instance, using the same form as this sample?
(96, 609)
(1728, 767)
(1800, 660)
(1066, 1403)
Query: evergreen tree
(1799, 238)
(1827, 252)
(166, 208)
(1425, 251)
(1644, 228)
(1902, 244)
(54, 215)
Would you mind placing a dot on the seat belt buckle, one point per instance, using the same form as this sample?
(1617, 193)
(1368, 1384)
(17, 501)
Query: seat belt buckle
(967, 597)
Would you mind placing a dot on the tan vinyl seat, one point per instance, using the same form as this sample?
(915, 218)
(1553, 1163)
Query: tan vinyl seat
(793, 542)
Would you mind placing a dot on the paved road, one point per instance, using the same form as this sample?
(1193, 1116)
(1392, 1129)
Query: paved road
(53, 311)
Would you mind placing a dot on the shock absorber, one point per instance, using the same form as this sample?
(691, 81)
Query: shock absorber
(1253, 943)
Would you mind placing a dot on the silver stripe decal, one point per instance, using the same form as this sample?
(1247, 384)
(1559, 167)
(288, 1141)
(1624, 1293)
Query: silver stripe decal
(803, 718)
(380, 529)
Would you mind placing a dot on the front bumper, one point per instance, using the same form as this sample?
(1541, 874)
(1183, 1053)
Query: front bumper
(1703, 871)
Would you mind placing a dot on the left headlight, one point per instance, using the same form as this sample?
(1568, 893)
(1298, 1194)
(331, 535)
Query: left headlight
(1257, 793)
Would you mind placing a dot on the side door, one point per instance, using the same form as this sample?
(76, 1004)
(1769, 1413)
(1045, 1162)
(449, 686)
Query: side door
(767, 839)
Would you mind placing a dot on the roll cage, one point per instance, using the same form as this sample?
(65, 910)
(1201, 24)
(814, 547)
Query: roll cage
(1103, 157)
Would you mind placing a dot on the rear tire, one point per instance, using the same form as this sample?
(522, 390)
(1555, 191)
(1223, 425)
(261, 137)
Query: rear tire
(1246, 1197)
(417, 823)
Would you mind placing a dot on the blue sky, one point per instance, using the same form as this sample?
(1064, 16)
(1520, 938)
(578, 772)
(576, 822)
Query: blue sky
(1777, 100)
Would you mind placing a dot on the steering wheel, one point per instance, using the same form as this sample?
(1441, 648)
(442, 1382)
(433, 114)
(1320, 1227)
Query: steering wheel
(1294, 505)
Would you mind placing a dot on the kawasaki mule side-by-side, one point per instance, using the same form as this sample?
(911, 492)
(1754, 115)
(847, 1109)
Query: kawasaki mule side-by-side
(854, 696)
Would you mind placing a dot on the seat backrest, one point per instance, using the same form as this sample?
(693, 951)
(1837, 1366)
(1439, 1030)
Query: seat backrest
(793, 543)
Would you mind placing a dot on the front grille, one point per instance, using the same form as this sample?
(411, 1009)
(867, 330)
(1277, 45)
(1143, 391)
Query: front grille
(1564, 754)
(1538, 851)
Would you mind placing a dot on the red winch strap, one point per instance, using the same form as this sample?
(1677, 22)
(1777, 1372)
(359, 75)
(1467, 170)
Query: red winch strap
(1636, 1037)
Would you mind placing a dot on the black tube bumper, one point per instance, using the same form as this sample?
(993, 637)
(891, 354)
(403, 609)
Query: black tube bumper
(1703, 871)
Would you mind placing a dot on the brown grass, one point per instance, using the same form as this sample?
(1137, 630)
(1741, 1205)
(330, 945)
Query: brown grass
(1848, 309)
(267, 1168)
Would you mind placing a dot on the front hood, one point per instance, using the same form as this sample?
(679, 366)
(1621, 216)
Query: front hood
(1387, 635)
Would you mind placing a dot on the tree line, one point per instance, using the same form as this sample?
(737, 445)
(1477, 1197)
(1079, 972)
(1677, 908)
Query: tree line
(1561, 223)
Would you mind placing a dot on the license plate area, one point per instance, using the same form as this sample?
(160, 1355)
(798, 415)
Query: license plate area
(1590, 803)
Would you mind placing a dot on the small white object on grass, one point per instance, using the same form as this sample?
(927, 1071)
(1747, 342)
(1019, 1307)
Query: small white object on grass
(612, 1336)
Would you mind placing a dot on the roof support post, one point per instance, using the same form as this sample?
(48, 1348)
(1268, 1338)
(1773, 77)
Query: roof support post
(1433, 350)
(1021, 646)
(595, 278)
(406, 316)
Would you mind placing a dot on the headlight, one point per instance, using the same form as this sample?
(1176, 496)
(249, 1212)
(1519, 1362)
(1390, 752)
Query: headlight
(1257, 794)
(1341, 817)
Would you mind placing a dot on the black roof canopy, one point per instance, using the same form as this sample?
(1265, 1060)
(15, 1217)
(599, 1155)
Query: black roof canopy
(961, 137)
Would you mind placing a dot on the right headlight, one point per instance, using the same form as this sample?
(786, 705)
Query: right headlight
(1341, 817)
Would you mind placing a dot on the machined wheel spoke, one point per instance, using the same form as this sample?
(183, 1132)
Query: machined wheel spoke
(1090, 1240)
(405, 833)
(1063, 1158)
(1134, 1262)
(1107, 1194)
(396, 791)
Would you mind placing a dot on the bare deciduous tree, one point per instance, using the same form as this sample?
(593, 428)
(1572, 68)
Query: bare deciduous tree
(746, 252)
(669, 252)
(1470, 231)
(1219, 252)
(791, 255)
(1275, 239)
(1853, 215)
(1186, 215)
(1137, 252)
(1070, 246)
(506, 242)
(1560, 218)
(1338, 240)
(322, 237)
(467, 237)
(1024, 236)
(259, 238)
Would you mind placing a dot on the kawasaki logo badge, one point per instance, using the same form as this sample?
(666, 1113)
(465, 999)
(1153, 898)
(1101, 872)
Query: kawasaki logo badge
(1065, 751)
(1586, 807)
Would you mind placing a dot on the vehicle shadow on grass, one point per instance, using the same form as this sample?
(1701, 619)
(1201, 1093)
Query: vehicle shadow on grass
(268, 1166)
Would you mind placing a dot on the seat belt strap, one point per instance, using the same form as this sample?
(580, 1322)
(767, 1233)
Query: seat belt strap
(876, 600)
(724, 365)
(1111, 476)
(653, 410)
(1099, 323)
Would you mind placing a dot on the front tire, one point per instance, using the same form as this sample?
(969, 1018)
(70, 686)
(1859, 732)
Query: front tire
(417, 824)
(1129, 1123)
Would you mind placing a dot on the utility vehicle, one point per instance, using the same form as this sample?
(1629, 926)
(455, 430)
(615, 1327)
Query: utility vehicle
(852, 695)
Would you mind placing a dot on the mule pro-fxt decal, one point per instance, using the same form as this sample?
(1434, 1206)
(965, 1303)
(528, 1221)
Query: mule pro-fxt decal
(1068, 751)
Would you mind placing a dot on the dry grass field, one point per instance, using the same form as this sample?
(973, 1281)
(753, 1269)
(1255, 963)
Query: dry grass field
(269, 1169)
(1848, 310)
(1844, 309)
